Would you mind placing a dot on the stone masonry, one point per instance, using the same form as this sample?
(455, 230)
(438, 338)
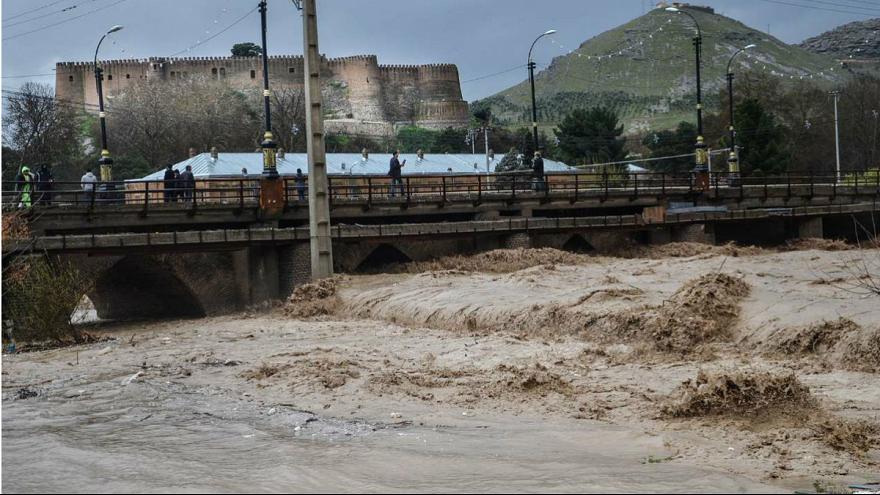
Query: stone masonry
(360, 96)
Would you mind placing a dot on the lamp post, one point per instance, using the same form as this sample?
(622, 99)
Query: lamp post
(268, 145)
(271, 187)
(733, 157)
(105, 162)
(531, 65)
(701, 158)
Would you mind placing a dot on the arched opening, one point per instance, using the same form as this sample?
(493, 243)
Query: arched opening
(139, 287)
(381, 258)
(577, 244)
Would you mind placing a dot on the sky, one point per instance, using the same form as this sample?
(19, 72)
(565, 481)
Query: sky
(487, 39)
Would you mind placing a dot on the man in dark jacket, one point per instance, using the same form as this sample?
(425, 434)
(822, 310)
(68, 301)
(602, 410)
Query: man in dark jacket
(395, 172)
(188, 183)
(169, 184)
(538, 171)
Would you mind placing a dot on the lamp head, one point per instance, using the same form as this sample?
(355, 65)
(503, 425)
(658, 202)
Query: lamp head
(115, 28)
(552, 31)
(749, 47)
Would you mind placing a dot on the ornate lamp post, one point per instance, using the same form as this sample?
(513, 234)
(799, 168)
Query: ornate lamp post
(105, 162)
(271, 187)
(531, 65)
(733, 157)
(701, 156)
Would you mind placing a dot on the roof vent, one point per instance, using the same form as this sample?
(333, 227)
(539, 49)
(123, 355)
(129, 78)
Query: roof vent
(214, 153)
(281, 152)
(193, 152)
(491, 155)
(365, 154)
(420, 154)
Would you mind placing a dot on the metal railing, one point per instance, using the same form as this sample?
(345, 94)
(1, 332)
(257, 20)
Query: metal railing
(240, 192)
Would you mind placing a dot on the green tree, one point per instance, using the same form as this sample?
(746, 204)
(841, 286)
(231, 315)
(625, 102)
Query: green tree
(591, 136)
(672, 143)
(761, 139)
(246, 50)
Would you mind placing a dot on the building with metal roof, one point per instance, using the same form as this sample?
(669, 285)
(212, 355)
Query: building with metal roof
(219, 165)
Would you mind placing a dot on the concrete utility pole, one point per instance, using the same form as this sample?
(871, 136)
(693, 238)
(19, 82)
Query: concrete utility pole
(486, 139)
(319, 199)
(836, 95)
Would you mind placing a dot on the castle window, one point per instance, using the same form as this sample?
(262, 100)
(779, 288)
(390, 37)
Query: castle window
(128, 76)
(253, 74)
(110, 77)
(222, 72)
(291, 70)
(214, 71)
(173, 74)
(70, 78)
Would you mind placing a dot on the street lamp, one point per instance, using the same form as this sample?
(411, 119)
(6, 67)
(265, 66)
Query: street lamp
(733, 158)
(531, 65)
(701, 157)
(270, 170)
(105, 162)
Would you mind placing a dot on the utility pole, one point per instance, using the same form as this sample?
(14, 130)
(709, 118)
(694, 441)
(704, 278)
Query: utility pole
(319, 199)
(836, 95)
(486, 139)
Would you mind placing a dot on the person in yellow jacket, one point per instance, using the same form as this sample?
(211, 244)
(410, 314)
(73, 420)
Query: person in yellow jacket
(26, 187)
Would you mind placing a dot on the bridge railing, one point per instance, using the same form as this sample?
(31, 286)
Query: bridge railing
(243, 192)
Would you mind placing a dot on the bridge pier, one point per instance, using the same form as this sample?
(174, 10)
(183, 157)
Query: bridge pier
(811, 227)
(703, 233)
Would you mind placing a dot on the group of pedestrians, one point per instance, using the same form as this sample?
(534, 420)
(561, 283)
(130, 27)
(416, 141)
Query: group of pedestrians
(34, 187)
(179, 186)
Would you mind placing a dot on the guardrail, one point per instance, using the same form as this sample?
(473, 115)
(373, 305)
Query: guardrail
(242, 192)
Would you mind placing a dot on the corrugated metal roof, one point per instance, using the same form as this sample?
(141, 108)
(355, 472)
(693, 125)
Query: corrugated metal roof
(230, 164)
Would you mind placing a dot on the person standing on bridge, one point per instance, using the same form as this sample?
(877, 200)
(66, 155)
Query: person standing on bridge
(26, 187)
(538, 171)
(87, 183)
(168, 183)
(395, 172)
(188, 184)
(300, 184)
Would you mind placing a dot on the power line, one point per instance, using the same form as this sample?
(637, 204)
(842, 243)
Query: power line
(43, 28)
(780, 2)
(26, 12)
(227, 28)
(43, 16)
(493, 75)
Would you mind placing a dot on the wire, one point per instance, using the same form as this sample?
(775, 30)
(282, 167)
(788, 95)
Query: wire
(480, 78)
(64, 21)
(227, 28)
(43, 16)
(34, 9)
(815, 8)
(29, 75)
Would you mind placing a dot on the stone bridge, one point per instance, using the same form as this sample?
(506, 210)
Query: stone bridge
(216, 254)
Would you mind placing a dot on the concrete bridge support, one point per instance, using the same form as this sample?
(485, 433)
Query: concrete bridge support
(811, 227)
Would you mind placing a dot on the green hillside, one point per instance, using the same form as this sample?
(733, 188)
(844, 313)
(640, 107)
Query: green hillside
(647, 71)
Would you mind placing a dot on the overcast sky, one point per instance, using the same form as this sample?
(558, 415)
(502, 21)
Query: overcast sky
(482, 37)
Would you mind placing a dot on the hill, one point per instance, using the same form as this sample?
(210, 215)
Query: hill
(645, 70)
(856, 40)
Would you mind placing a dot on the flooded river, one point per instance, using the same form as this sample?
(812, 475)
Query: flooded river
(113, 436)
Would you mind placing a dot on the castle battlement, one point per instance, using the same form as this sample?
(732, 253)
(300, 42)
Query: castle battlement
(370, 91)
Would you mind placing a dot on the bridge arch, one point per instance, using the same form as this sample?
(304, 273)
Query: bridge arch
(381, 256)
(143, 287)
(578, 244)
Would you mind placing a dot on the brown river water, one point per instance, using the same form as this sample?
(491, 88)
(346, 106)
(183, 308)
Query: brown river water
(108, 437)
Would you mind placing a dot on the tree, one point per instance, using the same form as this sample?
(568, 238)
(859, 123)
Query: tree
(246, 50)
(39, 129)
(591, 136)
(760, 139)
(672, 143)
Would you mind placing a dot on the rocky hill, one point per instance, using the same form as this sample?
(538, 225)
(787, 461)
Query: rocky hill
(645, 70)
(856, 40)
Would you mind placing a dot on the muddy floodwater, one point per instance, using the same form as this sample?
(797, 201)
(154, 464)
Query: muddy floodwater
(700, 370)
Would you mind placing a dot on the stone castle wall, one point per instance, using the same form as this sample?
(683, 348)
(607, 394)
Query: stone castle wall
(358, 92)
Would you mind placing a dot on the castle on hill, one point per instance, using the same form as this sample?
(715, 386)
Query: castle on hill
(360, 96)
